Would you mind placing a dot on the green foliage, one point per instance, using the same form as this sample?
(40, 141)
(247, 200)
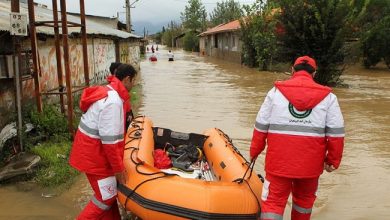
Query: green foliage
(371, 23)
(259, 45)
(191, 42)
(49, 122)
(194, 17)
(225, 11)
(370, 12)
(316, 28)
(157, 37)
(376, 44)
(170, 33)
(135, 95)
(54, 169)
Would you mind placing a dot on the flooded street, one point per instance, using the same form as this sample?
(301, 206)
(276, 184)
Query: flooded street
(194, 93)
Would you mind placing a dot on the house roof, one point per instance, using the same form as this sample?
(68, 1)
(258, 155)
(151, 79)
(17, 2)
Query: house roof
(94, 27)
(227, 27)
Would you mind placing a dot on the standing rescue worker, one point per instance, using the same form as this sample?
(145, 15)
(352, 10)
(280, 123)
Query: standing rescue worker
(98, 146)
(301, 122)
(129, 113)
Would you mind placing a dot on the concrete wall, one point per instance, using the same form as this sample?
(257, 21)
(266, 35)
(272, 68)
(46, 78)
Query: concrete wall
(101, 52)
(129, 52)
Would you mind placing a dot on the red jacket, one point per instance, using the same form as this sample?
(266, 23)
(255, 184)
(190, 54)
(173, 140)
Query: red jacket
(303, 126)
(99, 142)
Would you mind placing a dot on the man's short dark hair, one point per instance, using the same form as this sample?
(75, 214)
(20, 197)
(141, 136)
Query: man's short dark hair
(125, 70)
(114, 66)
(304, 66)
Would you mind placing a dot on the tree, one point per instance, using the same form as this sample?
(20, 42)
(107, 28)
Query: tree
(225, 11)
(191, 42)
(376, 44)
(171, 32)
(194, 21)
(373, 22)
(316, 28)
(259, 46)
(194, 16)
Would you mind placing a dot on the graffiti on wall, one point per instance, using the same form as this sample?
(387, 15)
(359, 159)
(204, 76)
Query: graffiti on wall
(104, 55)
(101, 52)
(130, 54)
(124, 54)
(100, 55)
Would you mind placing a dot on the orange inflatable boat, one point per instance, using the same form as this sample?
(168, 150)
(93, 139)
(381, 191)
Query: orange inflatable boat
(223, 187)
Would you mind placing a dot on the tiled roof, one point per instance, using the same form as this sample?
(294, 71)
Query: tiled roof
(228, 27)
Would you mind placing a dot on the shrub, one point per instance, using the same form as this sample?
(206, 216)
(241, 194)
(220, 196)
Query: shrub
(191, 42)
(49, 122)
(316, 28)
(376, 44)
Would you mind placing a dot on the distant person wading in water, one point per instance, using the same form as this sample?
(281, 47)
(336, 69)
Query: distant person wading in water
(170, 56)
(302, 125)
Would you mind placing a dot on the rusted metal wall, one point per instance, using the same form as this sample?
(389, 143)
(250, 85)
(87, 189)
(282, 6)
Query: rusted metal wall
(101, 52)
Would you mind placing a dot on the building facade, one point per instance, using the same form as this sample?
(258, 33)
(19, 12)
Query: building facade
(222, 41)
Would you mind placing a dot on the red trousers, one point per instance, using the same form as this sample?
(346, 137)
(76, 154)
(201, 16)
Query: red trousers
(276, 191)
(103, 204)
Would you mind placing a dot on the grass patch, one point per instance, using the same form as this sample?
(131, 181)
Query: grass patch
(54, 169)
(135, 94)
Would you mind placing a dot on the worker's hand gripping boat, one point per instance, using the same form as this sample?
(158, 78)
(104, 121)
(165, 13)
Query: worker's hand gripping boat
(217, 183)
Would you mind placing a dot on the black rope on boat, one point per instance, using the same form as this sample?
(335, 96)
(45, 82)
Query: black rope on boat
(134, 123)
(143, 182)
(254, 194)
(253, 166)
(131, 157)
(250, 167)
(142, 163)
(129, 148)
(142, 173)
(136, 135)
(230, 141)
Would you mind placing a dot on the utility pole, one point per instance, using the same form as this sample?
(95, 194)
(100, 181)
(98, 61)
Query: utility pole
(15, 8)
(128, 14)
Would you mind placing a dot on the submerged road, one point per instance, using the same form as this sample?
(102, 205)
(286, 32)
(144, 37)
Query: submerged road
(194, 93)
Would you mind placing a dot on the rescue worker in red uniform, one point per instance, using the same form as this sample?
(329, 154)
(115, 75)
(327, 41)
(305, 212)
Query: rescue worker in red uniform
(302, 125)
(113, 67)
(98, 146)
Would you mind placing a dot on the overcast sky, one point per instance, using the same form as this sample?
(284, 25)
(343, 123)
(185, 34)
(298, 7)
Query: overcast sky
(145, 10)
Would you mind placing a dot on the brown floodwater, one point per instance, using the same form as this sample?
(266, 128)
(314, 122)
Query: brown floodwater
(194, 93)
